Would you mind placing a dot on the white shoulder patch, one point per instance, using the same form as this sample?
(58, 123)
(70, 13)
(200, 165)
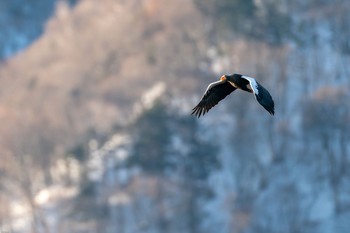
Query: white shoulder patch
(211, 85)
(253, 84)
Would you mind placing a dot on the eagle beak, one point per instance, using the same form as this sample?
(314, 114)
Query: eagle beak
(223, 78)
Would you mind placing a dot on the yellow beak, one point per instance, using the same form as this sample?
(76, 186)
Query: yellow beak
(223, 78)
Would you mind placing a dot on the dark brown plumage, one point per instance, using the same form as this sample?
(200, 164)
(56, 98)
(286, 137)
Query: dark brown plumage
(215, 92)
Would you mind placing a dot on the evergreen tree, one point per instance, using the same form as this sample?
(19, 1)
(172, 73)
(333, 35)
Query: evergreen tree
(187, 165)
(151, 140)
(195, 167)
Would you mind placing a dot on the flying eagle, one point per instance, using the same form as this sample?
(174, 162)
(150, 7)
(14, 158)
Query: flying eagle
(218, 90)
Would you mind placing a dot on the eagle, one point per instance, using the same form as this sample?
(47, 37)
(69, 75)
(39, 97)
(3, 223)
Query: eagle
(218, 90)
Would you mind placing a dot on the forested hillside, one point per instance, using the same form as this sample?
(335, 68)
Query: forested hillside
(97, 134)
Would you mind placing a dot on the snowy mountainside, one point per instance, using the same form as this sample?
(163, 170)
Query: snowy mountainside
(85, 150)
(263, 192)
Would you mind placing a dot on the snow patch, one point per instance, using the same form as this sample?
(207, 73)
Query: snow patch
(153, 94)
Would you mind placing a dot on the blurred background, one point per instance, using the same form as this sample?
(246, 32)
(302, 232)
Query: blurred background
(96, 133)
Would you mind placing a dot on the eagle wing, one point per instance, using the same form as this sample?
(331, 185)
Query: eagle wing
(215, 92)
(262, 95)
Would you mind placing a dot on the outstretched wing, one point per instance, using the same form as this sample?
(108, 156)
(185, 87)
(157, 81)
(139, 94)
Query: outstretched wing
(215, 92)
(262, 95)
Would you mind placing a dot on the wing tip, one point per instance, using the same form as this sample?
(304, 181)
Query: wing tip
(271, 110)
(197, 111)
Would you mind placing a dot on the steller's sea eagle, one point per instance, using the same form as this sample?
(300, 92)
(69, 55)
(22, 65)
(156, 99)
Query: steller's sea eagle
(218, 90)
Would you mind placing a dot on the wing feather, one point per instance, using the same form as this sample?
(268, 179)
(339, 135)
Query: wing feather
(215, 92)
(264, 98)
(262, 95)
